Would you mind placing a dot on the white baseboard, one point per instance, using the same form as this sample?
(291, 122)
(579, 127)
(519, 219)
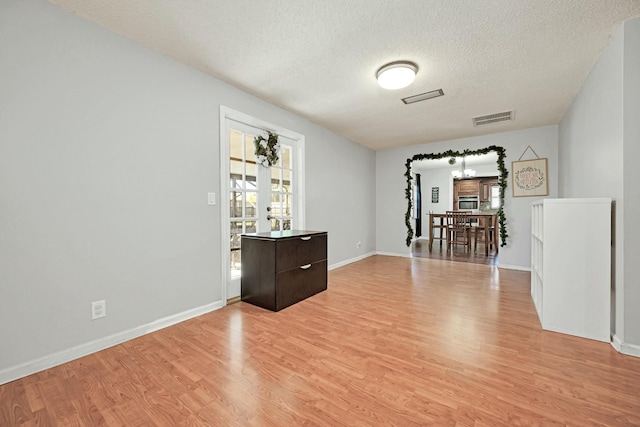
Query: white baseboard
(64, 356)
(407, 255)
(616, 343)
(628, 349)
(514, 267)
(349, 261)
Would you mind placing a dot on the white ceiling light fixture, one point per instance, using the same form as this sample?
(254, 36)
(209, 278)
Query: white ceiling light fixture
(396, 75)
(463, 172)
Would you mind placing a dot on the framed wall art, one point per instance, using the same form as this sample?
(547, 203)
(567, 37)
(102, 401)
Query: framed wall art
(530, 178)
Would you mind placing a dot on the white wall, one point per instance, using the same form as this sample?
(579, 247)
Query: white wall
(107, 152)
(340, 193)
(599, 147)
(591, 146)
(441, 177)
(590, 150)
(631, 250)
(391, 204)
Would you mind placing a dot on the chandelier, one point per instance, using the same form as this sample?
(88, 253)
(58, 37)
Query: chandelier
(463, 172)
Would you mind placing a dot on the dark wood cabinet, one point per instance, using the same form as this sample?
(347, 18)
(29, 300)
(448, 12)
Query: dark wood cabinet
(281, 268)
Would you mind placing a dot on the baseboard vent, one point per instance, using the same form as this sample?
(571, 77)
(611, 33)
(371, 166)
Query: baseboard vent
(493, 118)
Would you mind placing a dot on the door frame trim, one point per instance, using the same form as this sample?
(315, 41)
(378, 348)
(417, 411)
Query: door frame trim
(226, 114)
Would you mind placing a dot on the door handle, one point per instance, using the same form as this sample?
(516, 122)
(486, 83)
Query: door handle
(304, 267)
(306, 238)
(269, 217)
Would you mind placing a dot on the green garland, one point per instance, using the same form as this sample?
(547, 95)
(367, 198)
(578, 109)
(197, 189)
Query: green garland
(502, 181)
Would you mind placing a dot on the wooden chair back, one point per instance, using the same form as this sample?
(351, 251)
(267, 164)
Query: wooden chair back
(458, 219)
(458, 229)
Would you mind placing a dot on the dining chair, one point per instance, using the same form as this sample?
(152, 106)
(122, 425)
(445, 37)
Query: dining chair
(480, 230)
(437, 223)
(458, 229)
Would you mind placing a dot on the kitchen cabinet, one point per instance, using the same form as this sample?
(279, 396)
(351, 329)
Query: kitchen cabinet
(281, 268)
(464, 187)
(485, 188)
(468, 187)
(571, 266)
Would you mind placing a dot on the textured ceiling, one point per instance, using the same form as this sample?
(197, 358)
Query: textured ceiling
(318, 58)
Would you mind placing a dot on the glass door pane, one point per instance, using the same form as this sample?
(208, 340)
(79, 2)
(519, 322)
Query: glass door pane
(260, 199)
(243, 194)
(281, 188)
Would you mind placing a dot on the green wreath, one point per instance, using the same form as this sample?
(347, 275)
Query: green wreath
(267, 149)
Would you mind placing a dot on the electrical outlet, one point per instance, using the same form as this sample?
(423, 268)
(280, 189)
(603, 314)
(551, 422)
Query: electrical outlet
(358, 244)
(98, 309)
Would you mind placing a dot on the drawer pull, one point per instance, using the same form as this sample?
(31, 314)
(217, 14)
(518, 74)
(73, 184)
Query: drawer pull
(304, 267)
(306, 238)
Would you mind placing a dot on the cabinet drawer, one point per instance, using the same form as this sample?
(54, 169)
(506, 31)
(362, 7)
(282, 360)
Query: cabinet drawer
(297, 284)
(292, 253)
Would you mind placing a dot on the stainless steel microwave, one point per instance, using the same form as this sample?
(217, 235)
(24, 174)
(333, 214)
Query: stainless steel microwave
(468, 203)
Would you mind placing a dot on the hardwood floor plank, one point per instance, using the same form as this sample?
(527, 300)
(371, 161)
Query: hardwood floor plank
(393, 341)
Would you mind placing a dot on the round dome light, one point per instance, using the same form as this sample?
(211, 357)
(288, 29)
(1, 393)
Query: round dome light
(396, 75)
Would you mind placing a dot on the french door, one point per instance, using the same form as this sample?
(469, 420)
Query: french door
(260, 199)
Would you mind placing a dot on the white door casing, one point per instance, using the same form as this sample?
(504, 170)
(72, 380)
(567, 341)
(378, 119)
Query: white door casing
(248, 189)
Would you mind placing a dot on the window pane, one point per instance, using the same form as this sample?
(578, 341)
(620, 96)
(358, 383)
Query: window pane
(286, 204)
(235, 155)
(235, 175)
(495, 197)
(250, 149)
(275, 225)
(285, 155)
(275, 205)
(236, 231)
(275, 179)
(286, 224)
(235, 144)
(235, 203)
(251, 174)
(235, 264)
(251, 204)
(251, 227)
(286, 181)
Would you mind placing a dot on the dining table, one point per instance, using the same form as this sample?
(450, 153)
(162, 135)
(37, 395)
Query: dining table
(438, 221)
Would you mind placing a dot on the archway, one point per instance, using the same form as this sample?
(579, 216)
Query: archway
(502, 182)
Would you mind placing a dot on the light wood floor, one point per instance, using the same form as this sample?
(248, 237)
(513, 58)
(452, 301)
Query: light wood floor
(420, 249)
(394, 341)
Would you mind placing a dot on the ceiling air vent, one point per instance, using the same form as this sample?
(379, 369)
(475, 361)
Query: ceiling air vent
(493, 118)
(423, 96)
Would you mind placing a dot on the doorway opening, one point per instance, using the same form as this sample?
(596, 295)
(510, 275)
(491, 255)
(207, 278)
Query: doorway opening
(471, 180)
